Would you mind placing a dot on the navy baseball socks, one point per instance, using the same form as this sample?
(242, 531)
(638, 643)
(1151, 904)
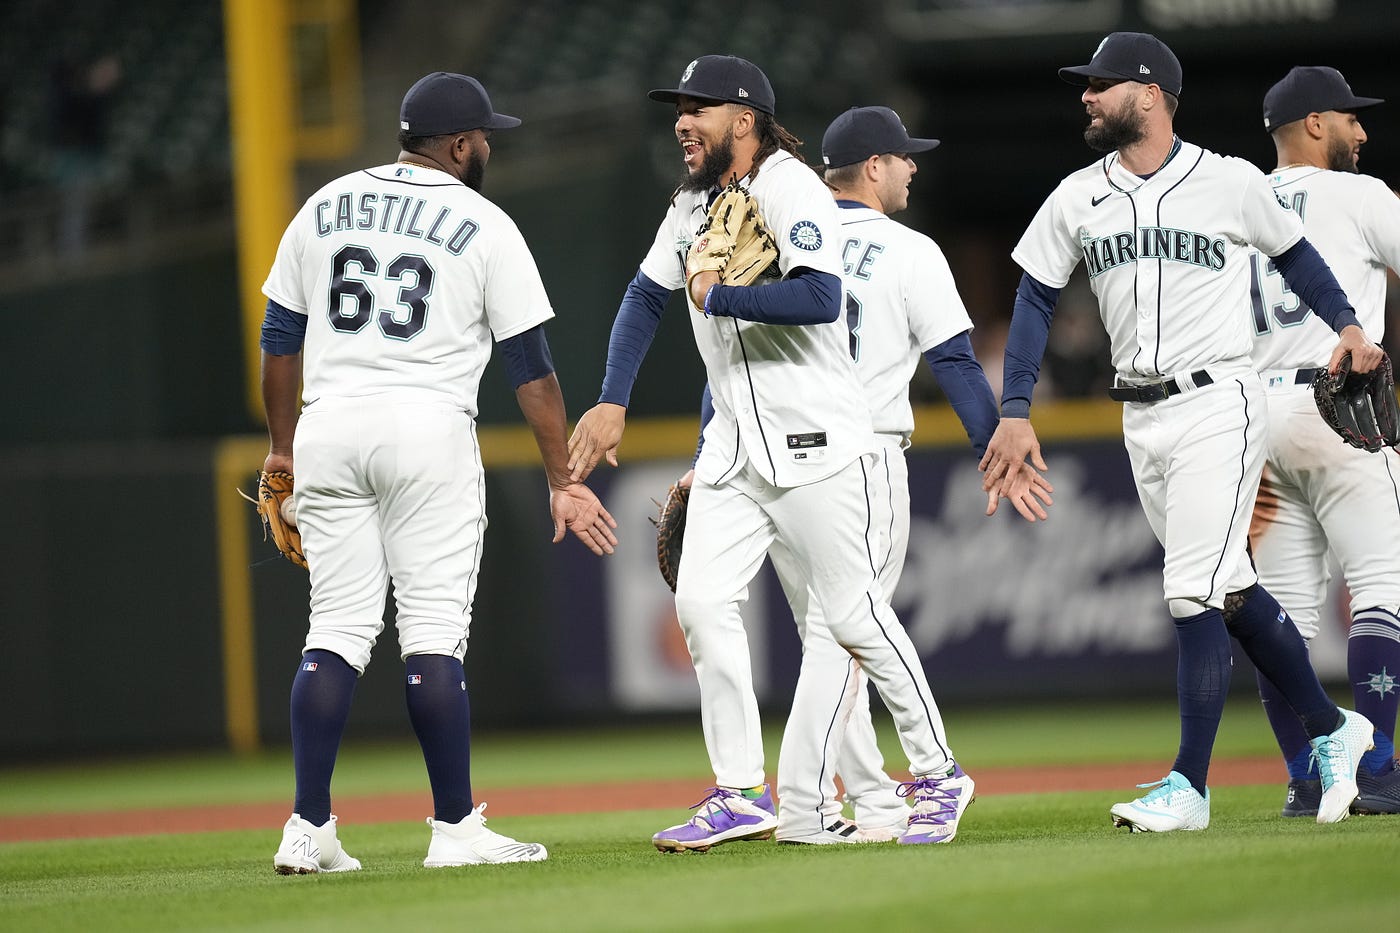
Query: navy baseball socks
(1202, 684)
(435, 690)
(1338, 737)
(1373, 661)
(321, 694)
(1180, 801)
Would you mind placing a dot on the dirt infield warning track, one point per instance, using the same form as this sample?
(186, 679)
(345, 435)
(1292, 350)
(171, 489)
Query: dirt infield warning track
(545, 800)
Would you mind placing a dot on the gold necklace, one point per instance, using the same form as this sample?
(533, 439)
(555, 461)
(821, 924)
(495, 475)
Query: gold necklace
(1284, 168)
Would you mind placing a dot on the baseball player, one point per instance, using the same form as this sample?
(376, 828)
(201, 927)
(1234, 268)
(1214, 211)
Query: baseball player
(1163, 228)
(1317, 491)
(388, 288)
(789, 454)
(901, 304)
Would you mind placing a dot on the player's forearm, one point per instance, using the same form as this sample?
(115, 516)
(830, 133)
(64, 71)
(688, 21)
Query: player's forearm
(637, 319)
(281, 378)
(806, 297)
(542, 404)
(964, 382)
(1310, 278)
(1025, 344)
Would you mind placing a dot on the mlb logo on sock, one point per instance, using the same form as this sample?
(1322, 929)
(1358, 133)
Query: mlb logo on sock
(309, 666)
(415, 678)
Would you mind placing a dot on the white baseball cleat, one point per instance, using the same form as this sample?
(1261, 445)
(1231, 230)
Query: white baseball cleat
(1173, 804)
(307, 849)
(839, 831)
(469, 842)
(1335, 757)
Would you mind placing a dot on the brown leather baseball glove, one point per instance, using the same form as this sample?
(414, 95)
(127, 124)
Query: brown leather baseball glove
(670, 530)
(734, 241)
(274, 491)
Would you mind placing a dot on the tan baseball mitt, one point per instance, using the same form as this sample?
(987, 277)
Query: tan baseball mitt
(734, 241)
(278, 511)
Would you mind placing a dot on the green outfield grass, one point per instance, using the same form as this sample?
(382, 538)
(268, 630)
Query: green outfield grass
(1026, 862)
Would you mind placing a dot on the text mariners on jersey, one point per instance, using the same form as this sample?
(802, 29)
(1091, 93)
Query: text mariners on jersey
(377, 211)
(1102, 253)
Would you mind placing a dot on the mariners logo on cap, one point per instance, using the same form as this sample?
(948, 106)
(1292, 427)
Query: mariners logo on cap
(806, 235)
(689, 70)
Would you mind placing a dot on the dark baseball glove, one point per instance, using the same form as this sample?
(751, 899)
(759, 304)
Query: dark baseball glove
(670, 529)
(278, 511)
(733, 241)
(1360, 407)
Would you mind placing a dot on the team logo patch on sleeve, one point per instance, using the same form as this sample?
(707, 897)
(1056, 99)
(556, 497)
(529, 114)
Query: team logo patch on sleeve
(806, 235)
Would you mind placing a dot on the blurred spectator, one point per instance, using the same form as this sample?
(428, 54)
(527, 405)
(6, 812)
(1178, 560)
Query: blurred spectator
(81, 96)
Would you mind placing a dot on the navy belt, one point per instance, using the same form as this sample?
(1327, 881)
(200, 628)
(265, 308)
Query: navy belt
(1306, 377)
(1157, 391)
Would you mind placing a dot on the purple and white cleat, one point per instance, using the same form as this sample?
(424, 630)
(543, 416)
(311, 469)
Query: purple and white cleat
(725, 815)
(939, 803)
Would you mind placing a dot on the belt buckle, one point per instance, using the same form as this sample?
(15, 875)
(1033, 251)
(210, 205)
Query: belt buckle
(1153, 392)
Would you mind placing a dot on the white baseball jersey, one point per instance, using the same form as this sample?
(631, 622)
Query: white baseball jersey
(1354, 223)
(405, 275)
(1168, 260)
(900, 301)
(1319, 493)
(786, 398)
(790, 458)
(1164, 255)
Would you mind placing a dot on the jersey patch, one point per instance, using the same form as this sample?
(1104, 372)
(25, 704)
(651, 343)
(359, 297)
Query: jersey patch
(806, 235)
(800, 441)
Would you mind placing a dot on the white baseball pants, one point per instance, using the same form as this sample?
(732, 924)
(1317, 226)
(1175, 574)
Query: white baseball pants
(729, 530)
(390, 492)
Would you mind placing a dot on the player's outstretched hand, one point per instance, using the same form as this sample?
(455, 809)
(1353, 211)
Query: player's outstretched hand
(597, 434)
(577, 509)
(1013, 441)
(1365, 355)
(1028, 491)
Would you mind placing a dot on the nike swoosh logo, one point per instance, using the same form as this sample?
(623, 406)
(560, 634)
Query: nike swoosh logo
(1095, 202)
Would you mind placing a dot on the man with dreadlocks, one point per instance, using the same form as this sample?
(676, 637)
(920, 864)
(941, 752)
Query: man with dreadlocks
(774, 467)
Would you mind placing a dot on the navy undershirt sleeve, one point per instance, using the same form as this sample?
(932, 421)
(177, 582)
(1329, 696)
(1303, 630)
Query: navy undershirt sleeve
(806, 296)
(1310, 278)
(962, 379)
(283, 331)
(526, 356)
(637, 319)
(1025, 344)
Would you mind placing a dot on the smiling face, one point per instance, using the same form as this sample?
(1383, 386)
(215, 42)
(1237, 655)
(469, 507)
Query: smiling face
(1344, 137)
(1114, 119)
(705, 131)
(896, 171)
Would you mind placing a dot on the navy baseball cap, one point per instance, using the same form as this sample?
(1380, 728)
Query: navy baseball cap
(443, 102)
(1130, 56)
(728, 78)
(1310, 89)
(862, 132)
